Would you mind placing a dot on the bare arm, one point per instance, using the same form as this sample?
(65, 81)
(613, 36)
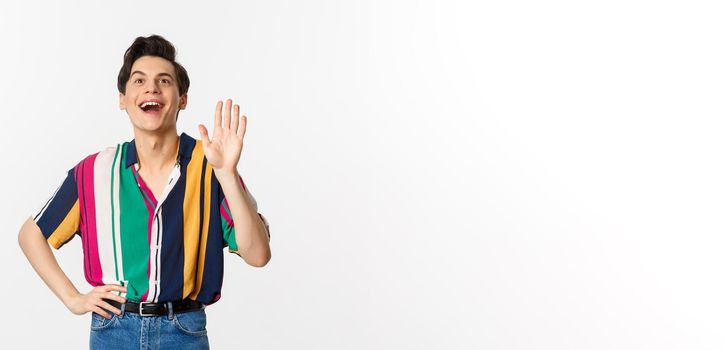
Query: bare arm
(252, 237)
(37, 250)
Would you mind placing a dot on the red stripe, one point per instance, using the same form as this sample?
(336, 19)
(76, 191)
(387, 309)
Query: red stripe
(86, 197)
(225, 214)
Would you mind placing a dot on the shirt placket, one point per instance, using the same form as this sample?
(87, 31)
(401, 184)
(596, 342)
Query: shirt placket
(156, 239)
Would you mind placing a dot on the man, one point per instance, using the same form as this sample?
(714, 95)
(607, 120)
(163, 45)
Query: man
(153, 215)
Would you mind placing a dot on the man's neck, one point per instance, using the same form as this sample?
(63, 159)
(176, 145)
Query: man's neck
(156, 152)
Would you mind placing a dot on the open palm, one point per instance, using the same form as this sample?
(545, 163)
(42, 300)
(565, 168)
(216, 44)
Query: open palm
(223, 150)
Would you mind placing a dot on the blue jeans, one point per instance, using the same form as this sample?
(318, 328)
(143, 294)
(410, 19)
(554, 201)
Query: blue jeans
(185, 330)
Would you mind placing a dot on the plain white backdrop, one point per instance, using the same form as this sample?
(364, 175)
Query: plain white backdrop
(436, 174)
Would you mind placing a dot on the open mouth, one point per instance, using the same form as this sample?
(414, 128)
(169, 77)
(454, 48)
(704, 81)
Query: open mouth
(151, 107)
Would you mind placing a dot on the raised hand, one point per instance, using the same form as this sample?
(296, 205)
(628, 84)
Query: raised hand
(223, 150)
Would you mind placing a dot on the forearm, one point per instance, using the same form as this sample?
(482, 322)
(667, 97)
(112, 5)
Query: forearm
(38, 252)
(252, 238)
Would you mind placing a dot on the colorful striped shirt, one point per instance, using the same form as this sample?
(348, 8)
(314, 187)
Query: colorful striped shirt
(162, 249)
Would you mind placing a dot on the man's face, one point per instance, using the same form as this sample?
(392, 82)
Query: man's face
(153, 79)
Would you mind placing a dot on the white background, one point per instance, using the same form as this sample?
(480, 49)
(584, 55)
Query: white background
(436, 174)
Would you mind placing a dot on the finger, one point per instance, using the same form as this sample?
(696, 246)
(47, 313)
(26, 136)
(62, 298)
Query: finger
(217, 115)
(227, 114)
(242, 129)
(235, 120)
(100, 311)
(117, 298)
(110, 287)
(109, 307)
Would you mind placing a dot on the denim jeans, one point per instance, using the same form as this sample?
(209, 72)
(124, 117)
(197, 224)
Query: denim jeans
(186, 330)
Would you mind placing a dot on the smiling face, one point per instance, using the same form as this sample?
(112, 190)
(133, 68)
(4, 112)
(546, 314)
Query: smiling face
(152, 98)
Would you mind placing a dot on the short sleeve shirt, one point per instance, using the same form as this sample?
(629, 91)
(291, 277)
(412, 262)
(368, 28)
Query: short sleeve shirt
(161, 249)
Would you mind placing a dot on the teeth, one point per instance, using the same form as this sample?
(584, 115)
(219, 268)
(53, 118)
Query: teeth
(150, 103)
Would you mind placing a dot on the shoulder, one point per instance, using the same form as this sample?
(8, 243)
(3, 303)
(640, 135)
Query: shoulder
(107, 154)
(192, 150)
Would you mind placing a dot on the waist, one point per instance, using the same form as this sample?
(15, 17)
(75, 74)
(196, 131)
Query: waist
(155, 309)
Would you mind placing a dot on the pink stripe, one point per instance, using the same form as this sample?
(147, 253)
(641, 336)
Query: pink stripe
(144, 187)
(86, 197)
(149, 206)
(225, 214)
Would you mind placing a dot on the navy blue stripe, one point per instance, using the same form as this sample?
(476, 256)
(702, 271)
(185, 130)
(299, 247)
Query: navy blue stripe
(57, 208)
(172, 245)
(214, 264)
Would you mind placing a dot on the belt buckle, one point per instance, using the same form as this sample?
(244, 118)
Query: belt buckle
(140, 308)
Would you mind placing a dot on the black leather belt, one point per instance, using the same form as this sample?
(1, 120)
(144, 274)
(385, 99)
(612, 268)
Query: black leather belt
(155, 309)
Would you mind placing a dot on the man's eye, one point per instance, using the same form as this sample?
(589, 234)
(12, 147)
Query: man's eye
(137, 80)
(166, 80)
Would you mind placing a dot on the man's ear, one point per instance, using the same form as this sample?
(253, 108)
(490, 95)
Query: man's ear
(121, 103)
(183, 100)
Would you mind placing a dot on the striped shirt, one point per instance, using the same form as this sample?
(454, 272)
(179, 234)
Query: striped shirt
(162, 249)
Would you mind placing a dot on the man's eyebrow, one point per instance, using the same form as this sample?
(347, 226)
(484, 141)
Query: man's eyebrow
(159, 74)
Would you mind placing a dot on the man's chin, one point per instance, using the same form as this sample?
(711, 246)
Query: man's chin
(152, 127)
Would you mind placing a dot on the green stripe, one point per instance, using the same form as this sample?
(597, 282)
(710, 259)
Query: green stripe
(134, 233)
(113, 212)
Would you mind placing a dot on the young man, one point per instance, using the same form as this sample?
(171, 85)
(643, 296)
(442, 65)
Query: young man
(153, 214)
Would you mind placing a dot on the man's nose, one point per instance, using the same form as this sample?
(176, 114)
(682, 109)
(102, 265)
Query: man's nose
(152, 87)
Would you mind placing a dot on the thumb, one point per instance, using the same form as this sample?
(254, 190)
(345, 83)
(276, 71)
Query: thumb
(204, 134)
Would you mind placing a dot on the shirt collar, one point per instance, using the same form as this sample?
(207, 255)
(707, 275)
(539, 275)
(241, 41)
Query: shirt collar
(185, 149)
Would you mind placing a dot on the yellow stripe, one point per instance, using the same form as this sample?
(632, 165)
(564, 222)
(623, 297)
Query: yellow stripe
(67, 227)
(204, 232)
(192, 217)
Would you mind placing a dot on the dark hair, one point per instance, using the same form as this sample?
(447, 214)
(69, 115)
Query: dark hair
(154, 45)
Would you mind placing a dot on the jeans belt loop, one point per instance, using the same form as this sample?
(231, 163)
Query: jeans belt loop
(169, 307)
